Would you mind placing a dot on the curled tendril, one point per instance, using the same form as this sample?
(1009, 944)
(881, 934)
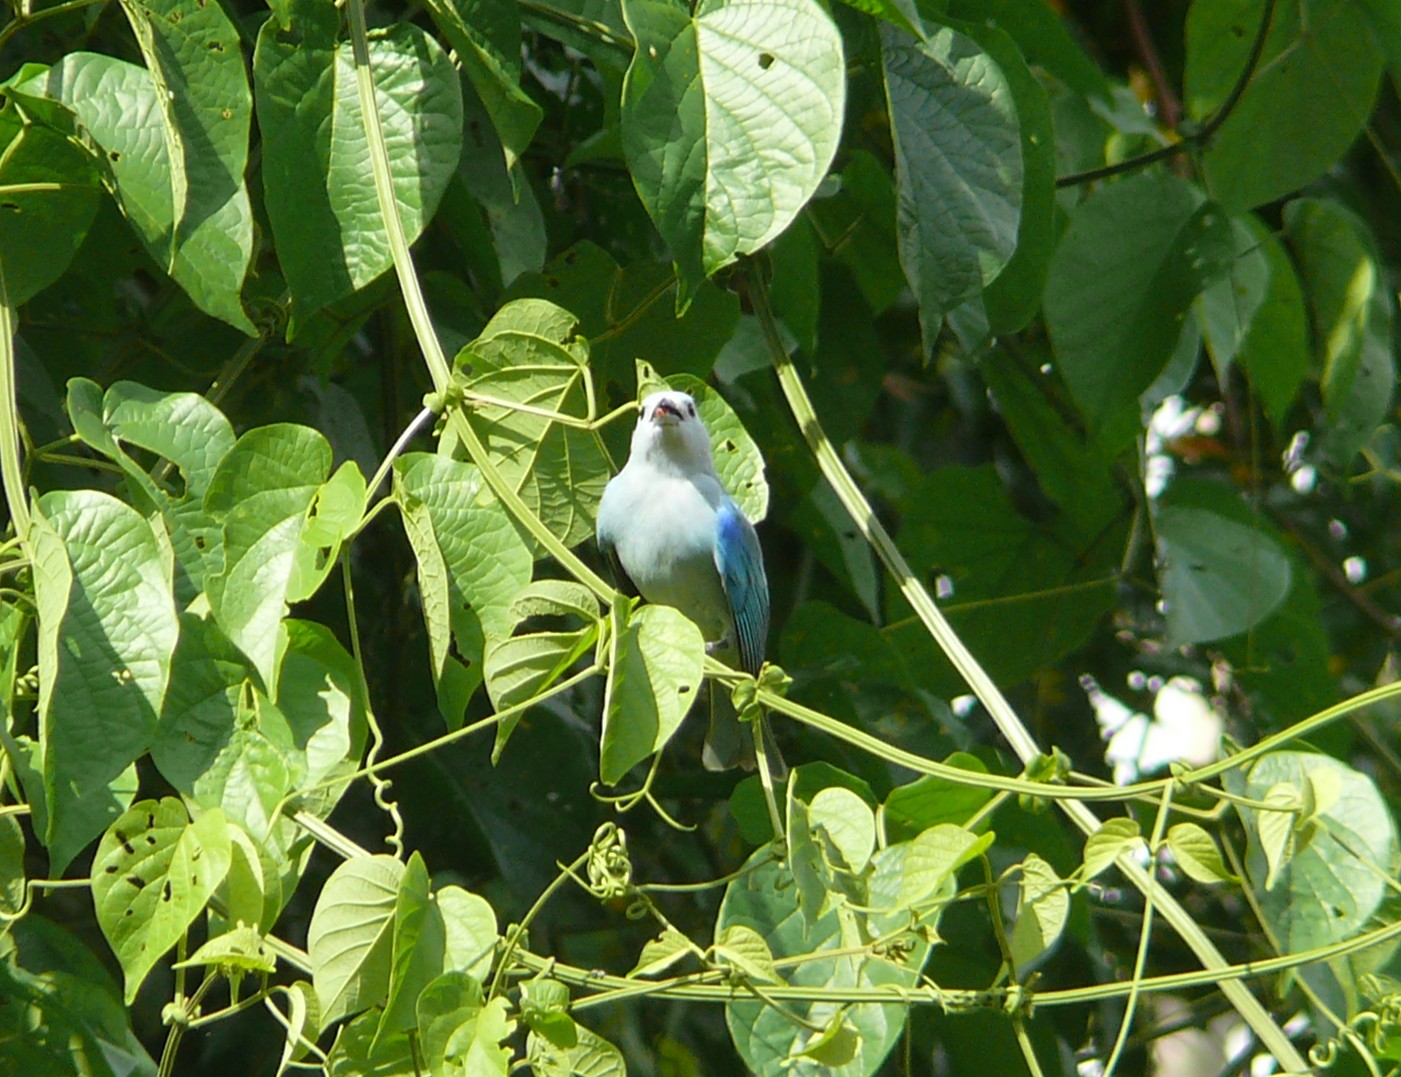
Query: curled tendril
(610, 870)
(1375, 1029)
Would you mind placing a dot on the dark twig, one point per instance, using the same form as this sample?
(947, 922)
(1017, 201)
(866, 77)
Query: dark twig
(1169, 107)
(1198, 137)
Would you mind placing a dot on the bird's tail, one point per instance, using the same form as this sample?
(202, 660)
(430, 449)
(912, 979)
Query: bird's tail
(728, 743)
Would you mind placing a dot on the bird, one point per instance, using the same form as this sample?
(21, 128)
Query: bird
(674, 536)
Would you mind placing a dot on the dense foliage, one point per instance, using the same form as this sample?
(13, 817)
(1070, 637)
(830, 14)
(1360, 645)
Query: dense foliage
(326, 744)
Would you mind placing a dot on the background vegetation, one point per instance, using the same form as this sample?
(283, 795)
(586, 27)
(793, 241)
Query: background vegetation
(1078, 319)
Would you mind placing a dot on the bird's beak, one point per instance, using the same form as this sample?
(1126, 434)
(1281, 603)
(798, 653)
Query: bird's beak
(665, 407)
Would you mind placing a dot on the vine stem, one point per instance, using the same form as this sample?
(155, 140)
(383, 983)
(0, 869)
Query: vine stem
(1006, 719)
(1145, 934)
(10, 469)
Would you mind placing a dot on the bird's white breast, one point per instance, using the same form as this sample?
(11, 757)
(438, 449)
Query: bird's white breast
(663, 530)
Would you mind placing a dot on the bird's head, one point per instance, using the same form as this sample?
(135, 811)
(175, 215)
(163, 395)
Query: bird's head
(670, 432)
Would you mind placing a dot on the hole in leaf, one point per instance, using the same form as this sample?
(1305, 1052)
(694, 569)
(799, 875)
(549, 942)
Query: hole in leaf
(766, 60)
(150, 839)
(684, 690)
(728, 445)
(11, 206)
(114, 155)
(166, 892)
(135, 880)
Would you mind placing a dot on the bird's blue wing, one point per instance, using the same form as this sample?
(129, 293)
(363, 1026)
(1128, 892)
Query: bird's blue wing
(741, 563)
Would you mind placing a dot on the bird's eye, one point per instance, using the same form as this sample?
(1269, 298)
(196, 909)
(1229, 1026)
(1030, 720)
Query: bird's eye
(691, 410)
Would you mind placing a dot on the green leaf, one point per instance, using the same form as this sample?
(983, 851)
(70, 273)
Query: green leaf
(1275, 353)
(763, 899)
(653, 679)
(630, 312)
(472, 563)
(1218, 576)
(153, 874)
(795, 290)
(1013, 297)
(237, 951)
(847, 822)
(181, 428)
(835, 1046)
(594, 27)
(350, 940)
(1113, 839)
(901, 13)
(1135, 256)
(929, 800)
(530, 353)
(1227, 308)
(470, 934)
(163, 145)
(1302, 108)
(321, 699)
(357, 1052)
(744, 949)
(730, 118)
(450, 1002)
(248, 780)
(303, 1021)
(12, 884)
(335, 512)
(107, 632)
(1041, 913)
(545, 1008)
(958, 168)
(738, 461)
(486, 35)
(856, 224)
(1044, 36)
(1022, 593)
(459, 1033)
(590, 1056)
(60, 1012)
(1197, 854)
(931, 859)
(419, 948)
(661, 953)
(49, 193)
(1351, 307)
(493, 216)
(331, 239)
(1277, 828)
(194, 54)
(521, 667)
(1069, 471)
(262, 493)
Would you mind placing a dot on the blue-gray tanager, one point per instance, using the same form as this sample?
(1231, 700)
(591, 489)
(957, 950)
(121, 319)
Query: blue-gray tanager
(674, 536)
